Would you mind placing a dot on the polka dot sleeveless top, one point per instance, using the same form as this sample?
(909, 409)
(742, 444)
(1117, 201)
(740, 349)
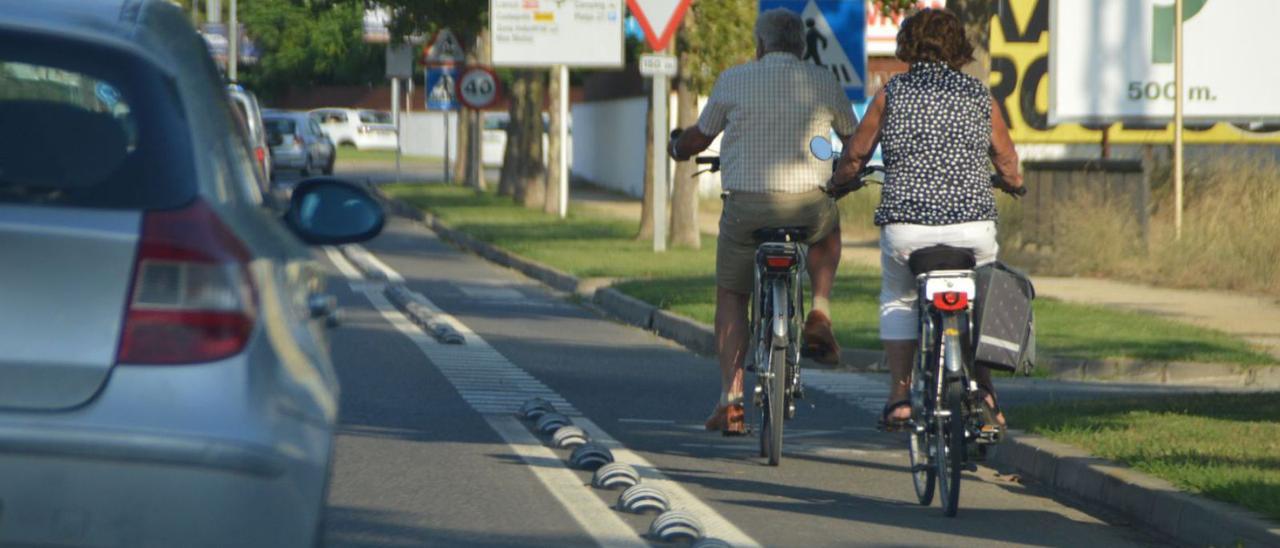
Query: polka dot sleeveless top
(935, 142)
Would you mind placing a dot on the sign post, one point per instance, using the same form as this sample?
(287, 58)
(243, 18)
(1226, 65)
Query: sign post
(399, 65)
(442, 54)
(659, 19)
(1178, 76)
(560, 36)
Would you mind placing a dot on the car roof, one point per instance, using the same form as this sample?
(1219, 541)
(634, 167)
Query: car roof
(284, 114)
(106, 23)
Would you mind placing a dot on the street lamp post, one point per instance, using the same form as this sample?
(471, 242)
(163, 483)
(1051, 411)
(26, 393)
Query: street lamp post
(1177, 119)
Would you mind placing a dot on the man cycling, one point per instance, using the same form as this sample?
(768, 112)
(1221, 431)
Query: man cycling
(768, 110)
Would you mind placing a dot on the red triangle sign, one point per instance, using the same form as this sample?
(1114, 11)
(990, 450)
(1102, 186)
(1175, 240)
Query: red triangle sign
(659, 19)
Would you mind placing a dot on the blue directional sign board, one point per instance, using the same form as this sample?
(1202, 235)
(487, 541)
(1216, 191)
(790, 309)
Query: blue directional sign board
(835, 38)
(439, 87)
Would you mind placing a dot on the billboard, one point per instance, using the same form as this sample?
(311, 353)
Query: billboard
(1114, 60)
(1020, 81)
(527, 33)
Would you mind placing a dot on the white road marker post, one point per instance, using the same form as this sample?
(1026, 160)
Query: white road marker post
(661, 91)
(395, 115)
(563, 71)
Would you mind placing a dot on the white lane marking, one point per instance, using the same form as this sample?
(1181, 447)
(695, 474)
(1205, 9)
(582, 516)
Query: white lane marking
(343, 265)
(715, 525)
(458, 357)
(587, 510)
(362, 253)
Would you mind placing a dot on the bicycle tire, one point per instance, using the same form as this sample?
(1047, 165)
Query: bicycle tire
(924, 477)
(951, 448)
(777, 404)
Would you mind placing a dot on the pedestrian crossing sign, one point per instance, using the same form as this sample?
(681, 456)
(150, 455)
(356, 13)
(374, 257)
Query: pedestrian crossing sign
(835, 38)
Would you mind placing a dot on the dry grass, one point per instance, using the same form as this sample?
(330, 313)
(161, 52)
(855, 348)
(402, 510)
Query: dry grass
(1231, 224)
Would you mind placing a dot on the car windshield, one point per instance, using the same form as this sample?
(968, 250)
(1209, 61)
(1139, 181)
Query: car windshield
(375, 117)
(88, 128)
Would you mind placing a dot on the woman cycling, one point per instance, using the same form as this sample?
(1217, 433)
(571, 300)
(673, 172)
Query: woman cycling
(938, 128)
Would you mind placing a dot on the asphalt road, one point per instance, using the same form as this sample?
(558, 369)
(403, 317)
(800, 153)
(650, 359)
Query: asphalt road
(429, 452)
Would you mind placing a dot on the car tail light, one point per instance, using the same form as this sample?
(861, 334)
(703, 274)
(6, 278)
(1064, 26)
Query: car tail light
(192, 299)
(779, 262)
(261, 154)
(951, 301)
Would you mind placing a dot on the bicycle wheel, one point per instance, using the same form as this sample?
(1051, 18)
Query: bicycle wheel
(923, 475)
(949, 443)
(775, 406)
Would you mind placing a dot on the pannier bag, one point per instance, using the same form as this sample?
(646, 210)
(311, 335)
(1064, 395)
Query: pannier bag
(1004, 324)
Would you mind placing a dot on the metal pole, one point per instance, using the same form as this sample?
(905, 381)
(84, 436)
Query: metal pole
(660, 121)
(395, 115)
(1177, 120)
(444, 115)
(213, 11)
(233, 43)
(564, 141)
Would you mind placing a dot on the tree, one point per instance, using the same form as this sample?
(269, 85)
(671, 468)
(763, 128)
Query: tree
(713, 37)
(305, 43)
(552, 203)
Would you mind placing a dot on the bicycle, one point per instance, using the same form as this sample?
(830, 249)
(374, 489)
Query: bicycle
(777, 310)
(946, 402)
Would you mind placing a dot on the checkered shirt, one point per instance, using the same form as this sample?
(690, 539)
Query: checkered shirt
(769, 109)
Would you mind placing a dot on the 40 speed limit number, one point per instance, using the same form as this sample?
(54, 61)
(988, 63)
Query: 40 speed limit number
(478, 87)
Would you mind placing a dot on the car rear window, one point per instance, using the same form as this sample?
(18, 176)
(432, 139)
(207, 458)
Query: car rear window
(280, 126)
(374, 117)
(86, 126)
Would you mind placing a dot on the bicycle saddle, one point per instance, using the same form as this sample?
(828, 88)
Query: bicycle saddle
(940, 257)
(781, 234)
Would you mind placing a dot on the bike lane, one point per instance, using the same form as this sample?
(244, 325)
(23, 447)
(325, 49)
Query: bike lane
(840, 482)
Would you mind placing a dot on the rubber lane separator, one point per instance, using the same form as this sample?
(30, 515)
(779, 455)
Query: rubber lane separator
(452, 360)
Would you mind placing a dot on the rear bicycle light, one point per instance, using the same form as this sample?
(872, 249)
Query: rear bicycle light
(951, 301)
(779, 262)
(192, 299)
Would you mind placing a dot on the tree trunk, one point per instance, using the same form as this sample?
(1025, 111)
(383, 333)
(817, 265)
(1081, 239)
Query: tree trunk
(552, 203)
(531, 183)
(976, 16)
(646, 204)
(511, 156)
(684, 200)
(459, 146)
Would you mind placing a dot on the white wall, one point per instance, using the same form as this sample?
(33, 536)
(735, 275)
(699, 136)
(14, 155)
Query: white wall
(608, 145)
(422, 134)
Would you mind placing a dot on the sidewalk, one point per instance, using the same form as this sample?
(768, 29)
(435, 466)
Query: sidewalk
(1255, 319)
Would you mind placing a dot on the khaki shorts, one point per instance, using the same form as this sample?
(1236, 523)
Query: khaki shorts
(745, 213)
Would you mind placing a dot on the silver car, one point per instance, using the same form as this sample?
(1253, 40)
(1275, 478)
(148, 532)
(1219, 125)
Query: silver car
(164, 376)
(297, 142)
(246, 104)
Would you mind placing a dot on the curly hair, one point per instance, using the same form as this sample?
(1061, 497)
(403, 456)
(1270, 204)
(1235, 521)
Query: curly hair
(934, 35)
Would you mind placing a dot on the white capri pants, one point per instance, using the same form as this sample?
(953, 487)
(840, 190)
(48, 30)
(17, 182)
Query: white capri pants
(898, 288)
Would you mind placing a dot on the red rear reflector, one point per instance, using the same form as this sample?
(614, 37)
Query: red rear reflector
(950, 301)
(261, 153)
(781, 261)
(192, 299)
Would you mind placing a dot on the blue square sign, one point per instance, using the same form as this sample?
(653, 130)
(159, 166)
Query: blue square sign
(835, 38)
(439, 85)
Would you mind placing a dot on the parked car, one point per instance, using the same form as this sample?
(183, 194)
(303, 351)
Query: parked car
(246, 104)
(164, 379)
(363, 129)
(297, 142)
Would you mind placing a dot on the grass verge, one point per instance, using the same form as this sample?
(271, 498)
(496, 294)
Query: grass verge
(1223, 446)
(347, 152)
(590, 244)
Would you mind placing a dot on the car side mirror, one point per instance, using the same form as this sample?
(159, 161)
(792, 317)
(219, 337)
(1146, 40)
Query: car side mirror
(821, 148)
(327, 211)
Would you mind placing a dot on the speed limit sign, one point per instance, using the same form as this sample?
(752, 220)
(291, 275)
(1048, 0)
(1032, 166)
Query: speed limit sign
(478, 87)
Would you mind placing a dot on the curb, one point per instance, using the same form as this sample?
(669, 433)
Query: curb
(1149, 502)
(700, 338)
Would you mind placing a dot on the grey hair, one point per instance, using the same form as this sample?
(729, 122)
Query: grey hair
(780, 29)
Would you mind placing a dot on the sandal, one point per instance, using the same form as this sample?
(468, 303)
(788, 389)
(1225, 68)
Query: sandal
(990, 413)
(729, 419)
(892, 425)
